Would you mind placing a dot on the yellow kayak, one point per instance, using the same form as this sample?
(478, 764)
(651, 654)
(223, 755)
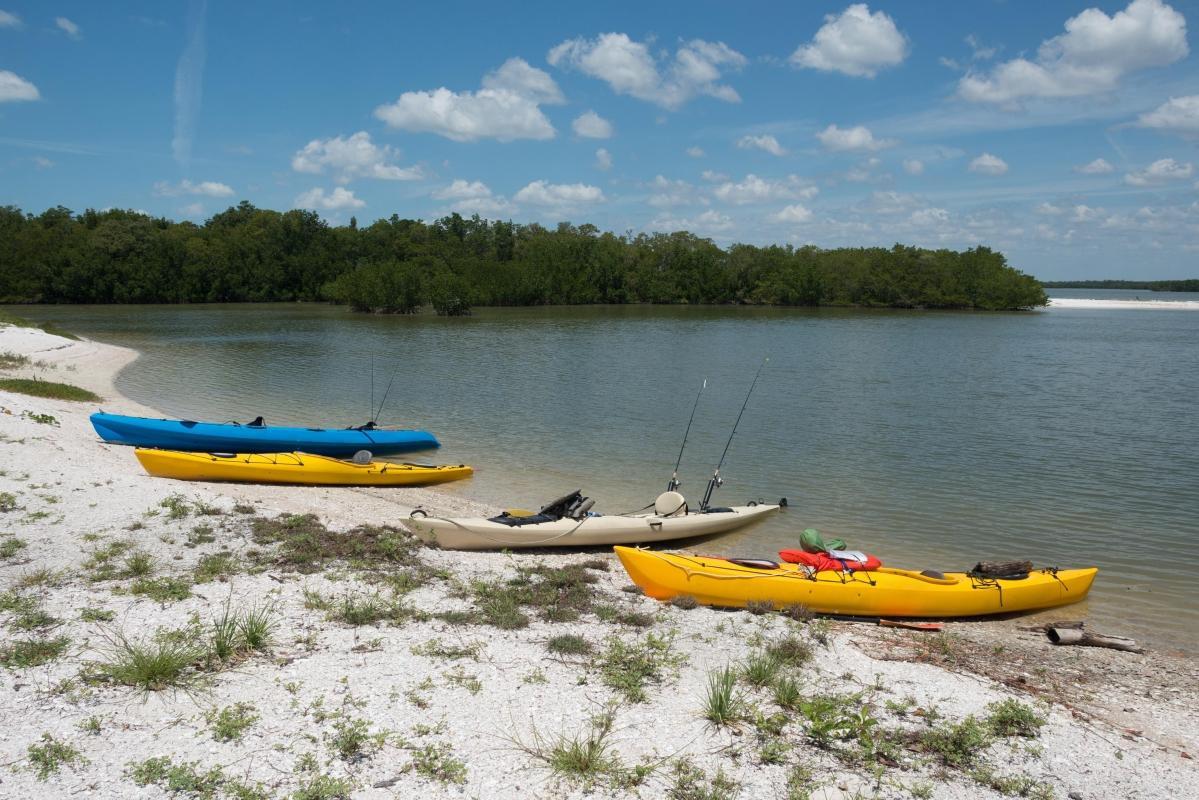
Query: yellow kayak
(295, 468)
(884, 592)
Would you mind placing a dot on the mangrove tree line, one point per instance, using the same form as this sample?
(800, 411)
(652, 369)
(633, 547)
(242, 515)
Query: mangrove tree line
(399, 265)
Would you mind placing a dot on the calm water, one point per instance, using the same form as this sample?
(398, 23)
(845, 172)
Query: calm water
(1069, 437)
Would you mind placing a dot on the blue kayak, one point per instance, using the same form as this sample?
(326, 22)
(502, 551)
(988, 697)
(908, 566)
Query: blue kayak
(230, 437)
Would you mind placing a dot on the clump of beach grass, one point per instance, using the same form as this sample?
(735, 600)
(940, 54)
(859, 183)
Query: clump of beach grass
(569, 644)
(723, 705)
(25, 653)
(48, 389)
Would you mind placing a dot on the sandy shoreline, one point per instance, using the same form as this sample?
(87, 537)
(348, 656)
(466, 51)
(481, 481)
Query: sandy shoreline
(448, 709)
(1152, 305)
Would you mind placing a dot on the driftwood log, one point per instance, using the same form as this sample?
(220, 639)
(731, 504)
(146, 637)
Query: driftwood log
(1077, 636)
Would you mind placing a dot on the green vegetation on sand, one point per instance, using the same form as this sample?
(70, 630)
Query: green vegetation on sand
(50, 389)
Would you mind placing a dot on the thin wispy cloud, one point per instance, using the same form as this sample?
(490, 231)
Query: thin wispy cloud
(189, 83)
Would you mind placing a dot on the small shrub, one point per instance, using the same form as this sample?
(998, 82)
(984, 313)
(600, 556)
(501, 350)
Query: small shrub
(692, 783)
(722, 704)
(353, 741)
(324, 787)
(437, 762)
(959, 745)
(91, 725)
(229, 724)
(8, 502)
(46, 758)
(1013, 718)
(569, 644)
(628, 667)
(684, 601)
(176, 506)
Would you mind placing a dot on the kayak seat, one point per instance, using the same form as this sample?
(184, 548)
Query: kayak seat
(718, 510)
(516, 522)
(258, 422)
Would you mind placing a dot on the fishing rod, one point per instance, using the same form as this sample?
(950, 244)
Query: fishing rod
(673, 483)
(375, 419)
(716, 481)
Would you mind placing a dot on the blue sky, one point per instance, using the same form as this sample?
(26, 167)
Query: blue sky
(1063, 134)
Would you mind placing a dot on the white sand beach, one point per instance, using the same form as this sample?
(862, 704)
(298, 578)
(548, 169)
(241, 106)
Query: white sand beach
(1144, 305)
(409, 674)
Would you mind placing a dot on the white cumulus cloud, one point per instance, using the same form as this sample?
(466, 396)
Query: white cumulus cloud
(855, 139)
(541, 193)
(591, 125)
(766, 143)
(517, 76)
(1091, 56)
(667, 193)
(467, 116)
(9, 20)
(185, 187)
(1160, 171)
(792, 214)
(695, 152)
(68, 27)
(471, 196)
(629, 67)
(754, 189)
(508, 107)
(603, 159)
(854, 42)
(352, 157)
(461, 189)
(709, 222)
(13, 87)
(1176, 115)
(987, 164)
(1099, 166)
(338, 200)
(913, 166)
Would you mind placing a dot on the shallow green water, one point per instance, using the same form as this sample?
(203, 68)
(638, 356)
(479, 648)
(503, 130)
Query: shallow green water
(935, 439)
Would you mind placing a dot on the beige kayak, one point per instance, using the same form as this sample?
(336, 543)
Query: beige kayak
(584, 530)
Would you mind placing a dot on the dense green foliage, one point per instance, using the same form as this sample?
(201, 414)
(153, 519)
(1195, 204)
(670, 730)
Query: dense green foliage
(1187, 285)
(398, 265)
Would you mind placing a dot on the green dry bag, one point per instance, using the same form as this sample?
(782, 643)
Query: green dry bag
(812, 542)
